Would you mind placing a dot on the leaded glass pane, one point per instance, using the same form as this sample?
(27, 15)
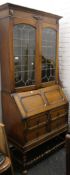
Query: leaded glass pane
(24, 54)
(48, 54)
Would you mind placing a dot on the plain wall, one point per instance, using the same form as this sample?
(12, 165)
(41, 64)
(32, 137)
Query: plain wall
(64, 53)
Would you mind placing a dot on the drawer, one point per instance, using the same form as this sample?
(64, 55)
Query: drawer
(37, 133)
(31, 135)
(58, 112)
(37, 120)
(59, 122)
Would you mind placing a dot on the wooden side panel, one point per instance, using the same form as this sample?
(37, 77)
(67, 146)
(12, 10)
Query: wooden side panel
(4, 13)
(6, 55)
(13, 120)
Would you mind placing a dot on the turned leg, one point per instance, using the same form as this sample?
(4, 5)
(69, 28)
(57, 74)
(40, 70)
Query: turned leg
(24, 172)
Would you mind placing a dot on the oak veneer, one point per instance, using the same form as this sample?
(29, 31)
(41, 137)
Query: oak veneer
(34, 106)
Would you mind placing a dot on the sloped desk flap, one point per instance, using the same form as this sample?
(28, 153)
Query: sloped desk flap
(37, 101)
(30, 103)
(54, 95)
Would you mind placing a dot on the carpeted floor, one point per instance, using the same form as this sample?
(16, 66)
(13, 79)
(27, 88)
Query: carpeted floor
(54, 164)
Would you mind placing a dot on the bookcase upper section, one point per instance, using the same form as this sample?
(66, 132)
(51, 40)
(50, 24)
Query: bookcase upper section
(29, 52)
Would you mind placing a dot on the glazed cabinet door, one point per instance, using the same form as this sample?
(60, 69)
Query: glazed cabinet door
(49, 58)
(24, 51)
(35, 53)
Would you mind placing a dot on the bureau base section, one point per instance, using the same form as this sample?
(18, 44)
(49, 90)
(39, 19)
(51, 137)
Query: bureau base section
(39, 153)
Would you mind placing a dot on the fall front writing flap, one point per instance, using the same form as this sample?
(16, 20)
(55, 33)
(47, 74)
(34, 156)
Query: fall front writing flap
(41, 100)
(30, 103)
(54, 95)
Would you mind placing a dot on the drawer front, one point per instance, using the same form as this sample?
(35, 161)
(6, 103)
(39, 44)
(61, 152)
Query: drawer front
(38, 120)
(37, 126)
(59, 122)
(36, 134)
(31, 135)
(58, 112)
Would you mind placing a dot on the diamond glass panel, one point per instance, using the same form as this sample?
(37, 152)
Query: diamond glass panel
(24, 55)
(48, 54)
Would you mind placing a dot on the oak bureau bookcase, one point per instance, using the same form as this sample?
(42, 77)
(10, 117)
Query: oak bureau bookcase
(34, 106)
